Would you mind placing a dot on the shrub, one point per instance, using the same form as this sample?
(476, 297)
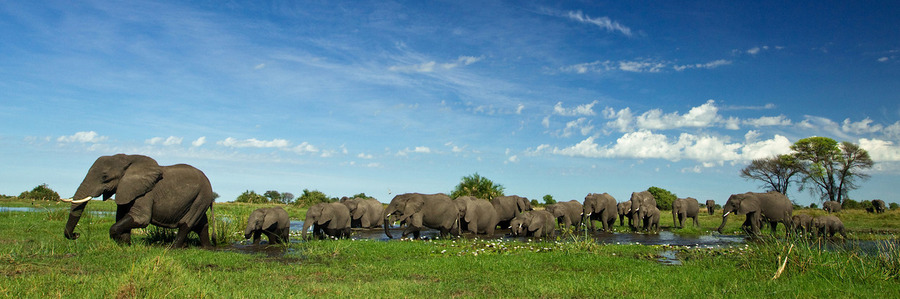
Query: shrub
(893, 205)
(309, 198)
(41, 192)
(548, 199)
(478, 186)
(250, 196)
(664, 198)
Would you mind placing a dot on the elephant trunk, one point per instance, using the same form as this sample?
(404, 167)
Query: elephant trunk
(387, 224)
(305, 228)
(724, 219)
(79, 201)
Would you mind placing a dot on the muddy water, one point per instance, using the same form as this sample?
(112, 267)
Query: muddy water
(662, 238)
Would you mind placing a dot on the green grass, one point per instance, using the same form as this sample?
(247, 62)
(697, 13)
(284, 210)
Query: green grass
(36, 261)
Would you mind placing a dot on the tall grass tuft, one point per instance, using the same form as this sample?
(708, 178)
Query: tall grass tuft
(889, 258)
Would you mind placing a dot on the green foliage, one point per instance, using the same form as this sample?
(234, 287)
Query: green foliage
(830, 168)
(856, 205)
(893, 205)
(250, 196)
(664, 198)
(41, 192)
(362, 195)
(309, 198)
(548, 199)
(273, 196)
(813, 206)
(535, 203)
(477, 186)
(776, 173)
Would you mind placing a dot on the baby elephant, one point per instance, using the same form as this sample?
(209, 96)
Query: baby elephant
(273, 222)
(537, 223)
(802, 224)
(829, 224)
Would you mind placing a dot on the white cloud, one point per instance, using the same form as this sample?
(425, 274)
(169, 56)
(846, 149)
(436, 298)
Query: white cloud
(431, 66)
(893, 131)
(171, 140)
(418, 149)
(83, 137)
(641, 66)
(304, 148)
(698, 117)
(780, 120)
(623, 120)
(364, 156)
(708, 65)
(880, 150)
(585, 109)
(199, 142)
(513, 159)
(546, 122)
(884, 59)
(581, 125)
(707, 149)
(733, 123)
(253, 142)
(520, 108)
(861, 127)
(602, 22)
(821, 124)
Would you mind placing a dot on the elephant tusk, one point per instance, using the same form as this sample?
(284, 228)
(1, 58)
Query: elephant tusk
(726, 214)
(82, 200)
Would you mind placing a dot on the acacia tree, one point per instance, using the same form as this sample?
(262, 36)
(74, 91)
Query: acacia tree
(664, 198)
(478, 186)
(832, 168)
(776, 172)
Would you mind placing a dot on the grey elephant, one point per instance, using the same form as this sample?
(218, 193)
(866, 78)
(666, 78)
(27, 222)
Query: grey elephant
(364, 212)
(600, 207)
(802, 224)
(642, 200)
(828, 225)
(476, 215)
(273, 222)
(710, 206)
(685, 208)
(418, 211)
(536, 223)
(175, 196)
(508, 207)
(567, 213)
(831, 206)
(330, 219)
(878, 205)
(650, 218)
(771, 207)
(624, 210)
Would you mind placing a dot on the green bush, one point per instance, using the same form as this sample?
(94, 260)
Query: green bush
(664, 198)
(893, 205)
(41, 192)
(309, 198)
(250, 196)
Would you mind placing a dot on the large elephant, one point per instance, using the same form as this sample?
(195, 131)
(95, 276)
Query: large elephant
(828, 225)
(364, 213)
(508, 207)
(476, 215)
(567, 213)
(600, 207)
(710, 206)
(771, 207)
(685, 208)
(624, 209)
(273, 222)
(831, 206)
(327, 219)
(175, 196)
(641, 200)
(418, 211)
(802, 224)
(536, 223)
(878, 205)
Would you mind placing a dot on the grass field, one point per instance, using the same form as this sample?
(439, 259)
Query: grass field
(36, 261)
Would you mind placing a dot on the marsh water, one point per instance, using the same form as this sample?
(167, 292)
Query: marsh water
(668, 238)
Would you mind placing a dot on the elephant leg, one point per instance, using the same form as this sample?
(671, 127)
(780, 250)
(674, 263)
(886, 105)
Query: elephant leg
(181, 236)
(256, 237)
(121, 211)
(273, 239)
(202, 230)
(121, 230)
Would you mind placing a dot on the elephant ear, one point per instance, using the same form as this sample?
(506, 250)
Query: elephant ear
(270, 220)
(748, 205)
(521, 204)
(470, 211)
(359, 211)
(137, 181)
(327, 214)
(413, 206)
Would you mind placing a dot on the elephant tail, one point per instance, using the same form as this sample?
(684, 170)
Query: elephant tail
(212, 226)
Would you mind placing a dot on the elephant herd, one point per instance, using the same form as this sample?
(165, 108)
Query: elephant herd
(178, 196)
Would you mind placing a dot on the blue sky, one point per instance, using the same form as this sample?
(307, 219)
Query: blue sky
(559, 98)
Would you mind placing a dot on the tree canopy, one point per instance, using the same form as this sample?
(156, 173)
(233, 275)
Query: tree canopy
(664, 198)
(41, 192)
(832, 169)
(776, 172)
(477, 186)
